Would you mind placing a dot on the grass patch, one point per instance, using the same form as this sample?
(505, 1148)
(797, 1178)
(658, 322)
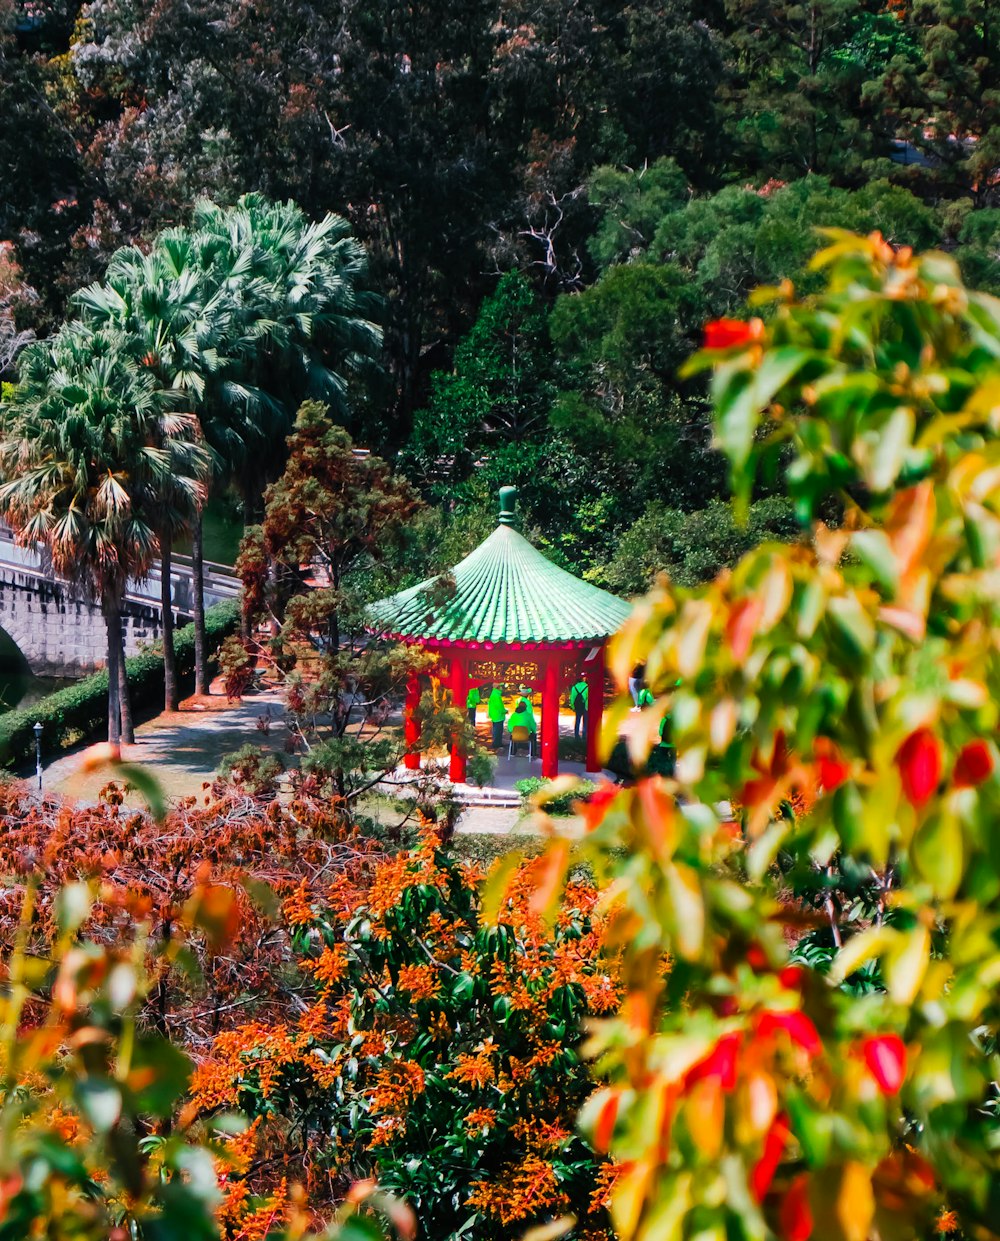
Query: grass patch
(486, 847)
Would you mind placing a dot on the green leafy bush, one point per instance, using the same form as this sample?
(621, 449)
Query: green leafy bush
(561, 805)
(71, 715)
(439, 1050)
(481, 767)
(252, 771)
(691, 547)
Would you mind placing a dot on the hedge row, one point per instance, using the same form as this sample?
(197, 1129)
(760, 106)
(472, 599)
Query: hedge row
(81, 710)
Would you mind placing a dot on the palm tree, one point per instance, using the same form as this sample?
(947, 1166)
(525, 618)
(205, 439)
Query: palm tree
(87, 449)
(246, 314)
(306, 320)
(304, 326)
(179, 324)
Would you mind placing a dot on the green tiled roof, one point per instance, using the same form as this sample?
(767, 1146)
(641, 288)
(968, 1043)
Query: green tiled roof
(505, 591)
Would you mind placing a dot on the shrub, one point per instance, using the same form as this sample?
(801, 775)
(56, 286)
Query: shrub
(73, 714)
(485, 848)
(691, 547)
(439, 1050)
(561, 805)
(250, 770)
(97, 1145)
(854, 675)
(481, 768)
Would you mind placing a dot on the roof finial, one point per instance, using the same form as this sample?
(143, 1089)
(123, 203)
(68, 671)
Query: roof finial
(508, 498)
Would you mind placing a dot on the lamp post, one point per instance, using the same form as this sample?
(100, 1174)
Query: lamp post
(38, 753)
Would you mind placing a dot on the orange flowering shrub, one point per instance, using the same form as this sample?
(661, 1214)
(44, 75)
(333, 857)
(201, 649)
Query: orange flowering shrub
(438, 1050)
(94, 1145)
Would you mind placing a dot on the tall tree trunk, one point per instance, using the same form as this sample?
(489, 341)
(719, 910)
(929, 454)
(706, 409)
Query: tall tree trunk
(125, 704)
(198, 606)
(113, 622)
(170, 692)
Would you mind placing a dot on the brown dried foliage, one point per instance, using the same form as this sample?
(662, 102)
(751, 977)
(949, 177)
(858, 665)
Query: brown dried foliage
(234, 854)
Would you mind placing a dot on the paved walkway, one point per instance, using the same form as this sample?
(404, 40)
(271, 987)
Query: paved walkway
(496, 808)
(181, 748)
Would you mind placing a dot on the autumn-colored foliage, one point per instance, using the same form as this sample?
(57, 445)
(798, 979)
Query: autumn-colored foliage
(438, 1049)
(330, 518)
(87, 1149)
(235, 857)
(845, 688)
(94, 1145)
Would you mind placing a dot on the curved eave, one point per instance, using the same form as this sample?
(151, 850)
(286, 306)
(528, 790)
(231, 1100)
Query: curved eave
(469, 644)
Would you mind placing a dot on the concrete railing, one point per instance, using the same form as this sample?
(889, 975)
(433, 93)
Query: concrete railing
(221, 581)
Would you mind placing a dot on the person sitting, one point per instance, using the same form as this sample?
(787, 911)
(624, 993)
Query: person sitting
(523, 717)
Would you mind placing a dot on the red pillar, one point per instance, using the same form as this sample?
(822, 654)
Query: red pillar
(459, 693)
(550, 718)
(593, 671)
(411, 725)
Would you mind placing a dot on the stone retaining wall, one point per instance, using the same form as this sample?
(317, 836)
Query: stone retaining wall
(60, 636)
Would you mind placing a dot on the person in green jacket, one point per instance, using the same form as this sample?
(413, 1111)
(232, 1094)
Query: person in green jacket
(663, 758)
(474, 698)
(578, 699)
(523, 717)
(646, 698)
(497, 713)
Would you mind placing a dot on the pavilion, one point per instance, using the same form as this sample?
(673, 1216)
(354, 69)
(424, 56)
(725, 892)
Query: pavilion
(513, 617)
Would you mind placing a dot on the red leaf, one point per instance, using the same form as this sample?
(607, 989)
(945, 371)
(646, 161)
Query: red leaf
(742, 625)
(720, 1063)
(792, 977)
(919, 762)
(593, 810)
(885, 1055)
(795, 1024)
(604, 1127)
(796, 1216)
(766, 1166)
(761, 789)
(657, 815)
(214, 909)
(726, 333)
(830, 765)
(973, 765)
(755, 792)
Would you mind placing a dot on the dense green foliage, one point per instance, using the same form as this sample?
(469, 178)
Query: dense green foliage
(553, 197)
(579, 401)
